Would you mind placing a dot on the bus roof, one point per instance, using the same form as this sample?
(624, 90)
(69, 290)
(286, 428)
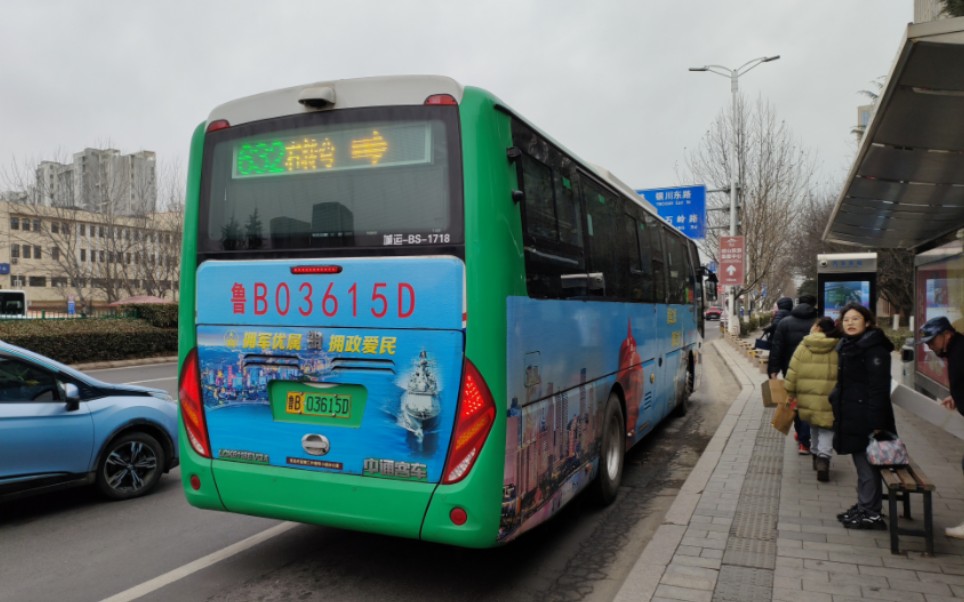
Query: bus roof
(341, 94)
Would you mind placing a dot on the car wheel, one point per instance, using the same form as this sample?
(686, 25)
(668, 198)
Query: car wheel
(612, 453)
(131, 466)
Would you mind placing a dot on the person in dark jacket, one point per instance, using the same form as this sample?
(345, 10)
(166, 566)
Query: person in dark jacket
(941, 338)
(786, 336)
(784, 306)
(862, 408)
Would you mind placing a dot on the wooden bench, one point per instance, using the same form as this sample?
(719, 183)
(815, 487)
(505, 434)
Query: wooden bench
(900, 483)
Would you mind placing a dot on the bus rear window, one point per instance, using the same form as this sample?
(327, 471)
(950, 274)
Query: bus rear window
(386, 177)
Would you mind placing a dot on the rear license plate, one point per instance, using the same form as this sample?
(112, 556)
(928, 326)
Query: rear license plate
(308, 403)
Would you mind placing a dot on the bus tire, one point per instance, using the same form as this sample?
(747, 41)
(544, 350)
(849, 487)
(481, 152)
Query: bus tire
(686, 389)
(612, 453)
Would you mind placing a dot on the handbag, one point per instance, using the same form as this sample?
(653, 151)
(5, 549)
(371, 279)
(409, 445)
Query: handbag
(783, 416)
(762, 343)
(888, 450)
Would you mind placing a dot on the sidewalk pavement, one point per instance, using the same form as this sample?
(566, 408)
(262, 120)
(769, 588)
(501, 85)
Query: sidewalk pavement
(753, 523)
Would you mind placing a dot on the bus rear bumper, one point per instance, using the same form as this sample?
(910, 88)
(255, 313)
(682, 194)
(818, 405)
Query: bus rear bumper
(345, 501)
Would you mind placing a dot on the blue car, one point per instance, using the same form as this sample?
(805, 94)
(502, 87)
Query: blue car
(61, 428)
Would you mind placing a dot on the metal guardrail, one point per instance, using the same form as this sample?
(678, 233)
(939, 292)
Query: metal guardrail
(45, 314)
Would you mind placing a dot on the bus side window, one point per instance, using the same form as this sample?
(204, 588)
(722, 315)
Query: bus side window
(636, 282)
(551, 221)
(654, 244)
(676, 267)
(601, 213)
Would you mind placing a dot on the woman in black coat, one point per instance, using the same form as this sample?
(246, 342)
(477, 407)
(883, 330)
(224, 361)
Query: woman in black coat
(861, 408)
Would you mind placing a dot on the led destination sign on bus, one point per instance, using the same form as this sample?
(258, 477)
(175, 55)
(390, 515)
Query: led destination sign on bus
(318, 151)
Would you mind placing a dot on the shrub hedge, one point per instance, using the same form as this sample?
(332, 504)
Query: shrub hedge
(82, 340)
(161, 315)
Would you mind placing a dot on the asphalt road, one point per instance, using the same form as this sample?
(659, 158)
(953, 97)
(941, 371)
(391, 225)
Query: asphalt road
(75, 546)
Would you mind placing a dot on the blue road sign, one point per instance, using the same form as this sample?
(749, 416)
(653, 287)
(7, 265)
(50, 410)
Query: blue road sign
(4, 268)
(683, 206)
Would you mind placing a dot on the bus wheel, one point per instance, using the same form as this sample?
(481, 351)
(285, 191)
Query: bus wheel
(686, 389)
(612, 452)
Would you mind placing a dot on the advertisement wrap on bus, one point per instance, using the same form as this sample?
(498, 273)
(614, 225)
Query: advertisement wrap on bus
(300, 375)
(407, 311)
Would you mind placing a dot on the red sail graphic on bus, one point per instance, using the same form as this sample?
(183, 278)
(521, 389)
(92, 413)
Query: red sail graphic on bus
(630, 376)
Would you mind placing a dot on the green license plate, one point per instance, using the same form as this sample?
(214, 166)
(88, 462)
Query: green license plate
(308, 403)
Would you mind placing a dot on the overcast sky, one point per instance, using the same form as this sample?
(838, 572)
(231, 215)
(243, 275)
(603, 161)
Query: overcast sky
(609, 79)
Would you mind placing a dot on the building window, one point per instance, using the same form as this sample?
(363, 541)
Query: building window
(83, 230)
(55, 253)
(58, 281)
(14, 223)
(36, 225)
(25, 224)
(26, 251)
(83, 254)
(37, 253)
(14, 251)
(18, 281)
(55, 227)
(38, 281)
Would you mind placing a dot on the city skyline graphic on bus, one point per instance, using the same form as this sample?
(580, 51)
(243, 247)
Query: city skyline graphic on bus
(552, 418)
(399, 414)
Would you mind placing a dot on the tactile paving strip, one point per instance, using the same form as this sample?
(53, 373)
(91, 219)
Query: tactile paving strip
(742, 584)
(746, 573)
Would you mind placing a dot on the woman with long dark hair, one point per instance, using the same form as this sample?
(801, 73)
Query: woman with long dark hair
(862, 407)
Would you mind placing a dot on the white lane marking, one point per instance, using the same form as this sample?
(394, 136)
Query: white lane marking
(201, 563)
(150, 380)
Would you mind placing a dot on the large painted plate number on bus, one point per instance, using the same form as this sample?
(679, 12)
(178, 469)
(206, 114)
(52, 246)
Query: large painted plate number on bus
(331, 405)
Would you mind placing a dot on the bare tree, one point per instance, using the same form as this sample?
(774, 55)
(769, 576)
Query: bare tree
(774, 181)
(953, 8)
(158, 253)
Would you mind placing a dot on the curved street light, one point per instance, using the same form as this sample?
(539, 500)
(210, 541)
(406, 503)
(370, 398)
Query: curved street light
(734, 75)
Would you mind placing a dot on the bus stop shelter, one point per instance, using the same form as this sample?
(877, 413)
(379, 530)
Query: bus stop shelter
(905, 188)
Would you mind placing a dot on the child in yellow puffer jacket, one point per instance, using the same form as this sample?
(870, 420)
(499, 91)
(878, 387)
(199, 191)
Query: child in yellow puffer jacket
(811, 377)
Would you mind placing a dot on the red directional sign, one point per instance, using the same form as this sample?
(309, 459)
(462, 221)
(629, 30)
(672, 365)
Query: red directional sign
(732, 253)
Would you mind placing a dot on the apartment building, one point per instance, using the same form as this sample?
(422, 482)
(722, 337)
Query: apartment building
(101, 180)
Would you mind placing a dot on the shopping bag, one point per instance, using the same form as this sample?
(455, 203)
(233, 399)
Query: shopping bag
(773, 392)
(886, 449)
(783, 416)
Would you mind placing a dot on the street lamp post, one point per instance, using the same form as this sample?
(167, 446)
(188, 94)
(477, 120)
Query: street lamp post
(734, 75)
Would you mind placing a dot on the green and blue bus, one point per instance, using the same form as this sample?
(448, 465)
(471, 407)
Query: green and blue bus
(406, 310)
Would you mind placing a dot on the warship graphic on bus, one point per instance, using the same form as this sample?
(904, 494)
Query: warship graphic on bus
(419, 407)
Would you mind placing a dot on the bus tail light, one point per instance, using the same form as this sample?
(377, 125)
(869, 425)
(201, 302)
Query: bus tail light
(441, 99)
(476, 414)
(218, 124)
(192, 408)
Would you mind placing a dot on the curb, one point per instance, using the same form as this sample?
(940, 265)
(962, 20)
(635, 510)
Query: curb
(644, 577)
